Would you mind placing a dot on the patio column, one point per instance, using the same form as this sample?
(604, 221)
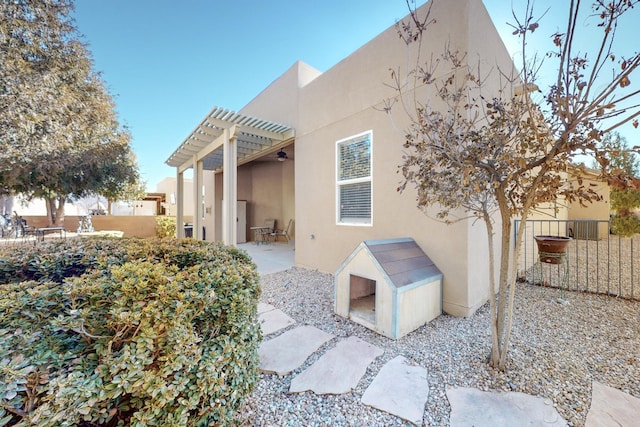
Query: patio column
(230, 187)
(179, 204)
(209, 222)
(197, 198)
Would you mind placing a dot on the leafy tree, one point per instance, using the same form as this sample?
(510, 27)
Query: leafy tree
(620, 157)
(479, 146)
(625, 222)
(59, 133)
(623, 201)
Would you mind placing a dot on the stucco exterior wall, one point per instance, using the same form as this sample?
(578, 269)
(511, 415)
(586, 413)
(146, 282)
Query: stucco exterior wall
(169, 186)
(131, 226)
(348, 100)
(279, 101)
(596, 210)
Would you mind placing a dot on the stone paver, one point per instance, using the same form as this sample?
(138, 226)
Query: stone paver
(274, 320)
(399, 389)
(339, 369)
(612, 407)
(288, 351)
(264, 307)
(402, 390)
(472, 407)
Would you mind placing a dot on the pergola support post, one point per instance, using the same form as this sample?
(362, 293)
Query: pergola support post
(197, 199)
(230, 187)
(179, 204)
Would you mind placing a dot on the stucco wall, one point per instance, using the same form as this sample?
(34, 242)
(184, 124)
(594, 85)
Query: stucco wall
(168, 186)
(596, 210)
(279, 101)
(132, 226)
(347, 100)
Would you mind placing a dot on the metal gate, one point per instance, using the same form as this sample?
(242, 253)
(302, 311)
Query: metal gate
(598, 261)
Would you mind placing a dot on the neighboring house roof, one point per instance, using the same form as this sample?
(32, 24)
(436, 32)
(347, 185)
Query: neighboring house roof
(584, 170)
(402, 261)
(618, 180)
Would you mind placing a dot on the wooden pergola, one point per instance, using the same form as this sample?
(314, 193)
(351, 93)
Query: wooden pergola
(221, 142)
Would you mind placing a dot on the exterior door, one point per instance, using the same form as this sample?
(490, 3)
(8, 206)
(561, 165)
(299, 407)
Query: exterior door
(242, 221)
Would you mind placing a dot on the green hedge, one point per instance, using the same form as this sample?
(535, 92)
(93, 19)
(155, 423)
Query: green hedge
(165, 226)
(625, 226)
(126, 332)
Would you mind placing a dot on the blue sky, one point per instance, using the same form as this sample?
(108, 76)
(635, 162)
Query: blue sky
(168, 62)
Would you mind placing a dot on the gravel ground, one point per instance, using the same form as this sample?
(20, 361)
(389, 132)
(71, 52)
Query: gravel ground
(557, 350)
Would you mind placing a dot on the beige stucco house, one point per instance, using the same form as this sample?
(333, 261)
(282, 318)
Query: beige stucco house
(339, 179)
(168, 186)
(576, 219)
(590, 219)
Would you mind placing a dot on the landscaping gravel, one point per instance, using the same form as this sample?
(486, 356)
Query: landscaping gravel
(558, 347)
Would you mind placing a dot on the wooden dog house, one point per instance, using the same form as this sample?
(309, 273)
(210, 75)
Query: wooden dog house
(389, 286)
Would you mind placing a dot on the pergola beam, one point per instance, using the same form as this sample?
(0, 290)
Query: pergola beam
(247, 129)
(179, 204)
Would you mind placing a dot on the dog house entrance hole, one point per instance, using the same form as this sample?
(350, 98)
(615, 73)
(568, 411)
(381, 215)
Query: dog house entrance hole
(362, 298)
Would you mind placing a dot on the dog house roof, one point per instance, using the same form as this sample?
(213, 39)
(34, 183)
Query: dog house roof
(402, 261)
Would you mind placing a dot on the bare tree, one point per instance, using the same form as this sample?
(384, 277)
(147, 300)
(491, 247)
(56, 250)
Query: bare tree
(480, 145)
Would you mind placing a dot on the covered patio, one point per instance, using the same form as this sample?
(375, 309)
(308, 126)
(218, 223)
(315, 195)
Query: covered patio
(271, 258)
(223, 141)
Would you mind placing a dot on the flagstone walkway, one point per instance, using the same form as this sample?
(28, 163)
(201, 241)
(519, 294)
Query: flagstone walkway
(402, 389)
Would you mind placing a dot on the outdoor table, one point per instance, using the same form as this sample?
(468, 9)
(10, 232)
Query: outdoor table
(40, 232)
(260, 234)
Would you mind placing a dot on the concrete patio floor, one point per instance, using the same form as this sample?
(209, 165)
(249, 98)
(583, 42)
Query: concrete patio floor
(271, 257)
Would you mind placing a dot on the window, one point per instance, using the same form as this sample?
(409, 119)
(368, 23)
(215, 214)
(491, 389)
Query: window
(353, 158)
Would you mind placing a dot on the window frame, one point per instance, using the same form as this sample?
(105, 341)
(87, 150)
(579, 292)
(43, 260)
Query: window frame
(340, 183)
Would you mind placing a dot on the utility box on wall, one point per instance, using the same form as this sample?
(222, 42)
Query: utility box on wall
(390, 286)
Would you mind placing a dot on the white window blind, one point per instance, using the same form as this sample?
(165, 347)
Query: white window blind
(354, 180)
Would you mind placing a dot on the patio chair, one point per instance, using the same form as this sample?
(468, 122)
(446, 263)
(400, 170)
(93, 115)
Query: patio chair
(283, 233)
(25, 229)
(20, 227)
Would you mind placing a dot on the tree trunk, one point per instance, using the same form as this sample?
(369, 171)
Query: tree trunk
(511, 278)
(499, 319)
(495, 355)
(55, 211)
(51, 211)
(60, 212)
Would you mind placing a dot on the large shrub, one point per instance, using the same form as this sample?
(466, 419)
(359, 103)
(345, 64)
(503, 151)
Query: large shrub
(625, 226)
(126, 332)
(625, 222)
(165, 226)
